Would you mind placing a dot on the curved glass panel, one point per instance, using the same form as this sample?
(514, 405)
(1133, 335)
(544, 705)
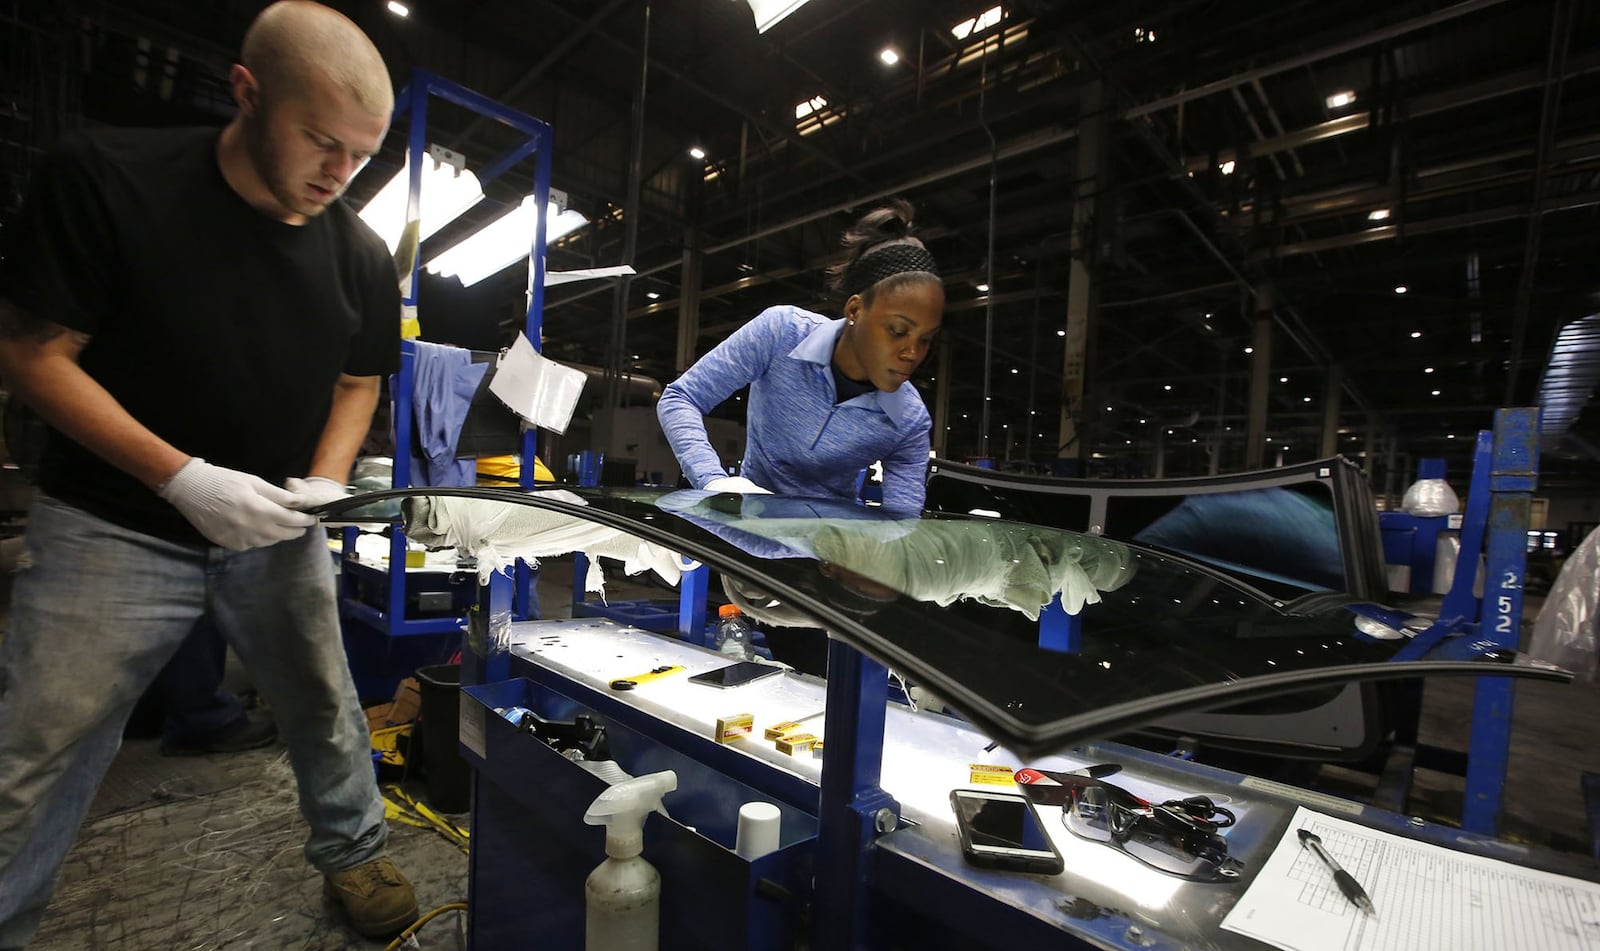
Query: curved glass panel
(961, 604)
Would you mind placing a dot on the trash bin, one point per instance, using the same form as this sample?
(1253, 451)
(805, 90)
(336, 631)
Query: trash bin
(446, 776)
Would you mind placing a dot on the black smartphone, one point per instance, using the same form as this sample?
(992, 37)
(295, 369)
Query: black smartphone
(736, 675)
(1002, 830)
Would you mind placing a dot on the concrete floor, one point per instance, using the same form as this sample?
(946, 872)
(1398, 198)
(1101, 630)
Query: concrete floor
(203, 854)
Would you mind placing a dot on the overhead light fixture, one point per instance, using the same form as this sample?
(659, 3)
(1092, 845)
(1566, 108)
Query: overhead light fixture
(982, 288)
(501, 243)
(1427, 369)
(1167, 387)
(446, 194)
(1341, 99)
(1226, 168)
(1283, 379)
(1378, 214)
(1415, 334)
(888, 56)
(1061, 333)
(1015, 370)
(1435, 392)
(769, 12)
(806, 108)
(399, 9)
(1305, 399)
(976, 24)
(697, 152)
(1401, 288)
(1249, 349)
(652, 295)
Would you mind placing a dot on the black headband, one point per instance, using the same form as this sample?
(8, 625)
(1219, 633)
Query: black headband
(886, 261)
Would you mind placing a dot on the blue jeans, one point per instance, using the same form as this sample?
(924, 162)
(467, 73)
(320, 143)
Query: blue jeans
(97, 611)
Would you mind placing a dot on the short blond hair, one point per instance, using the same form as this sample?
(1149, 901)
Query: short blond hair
(293, 40)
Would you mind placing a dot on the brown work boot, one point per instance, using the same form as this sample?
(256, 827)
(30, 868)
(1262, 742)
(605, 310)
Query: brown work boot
(377, 898)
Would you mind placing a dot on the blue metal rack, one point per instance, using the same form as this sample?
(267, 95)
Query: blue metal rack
(389, 617)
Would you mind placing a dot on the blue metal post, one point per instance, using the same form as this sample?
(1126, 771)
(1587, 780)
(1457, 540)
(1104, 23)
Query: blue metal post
(692, 588)
(1459, 601)
(853, 808)
(487, 658)
(1516, 466)
(1058, 630)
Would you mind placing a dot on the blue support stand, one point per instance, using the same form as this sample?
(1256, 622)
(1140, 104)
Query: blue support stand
(692, 588)
(853, 808)
(1058, 630)
(1459, 601)
(1511, 484)
(386, 615)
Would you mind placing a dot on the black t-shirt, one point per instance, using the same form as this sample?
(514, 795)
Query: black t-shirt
(218, 328)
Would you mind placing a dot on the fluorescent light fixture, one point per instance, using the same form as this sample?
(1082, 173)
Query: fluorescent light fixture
(1226, 168)
(399, 9)
(1378, 214)
(977, 24)
(697, 152)
(1341, 99)
(769, 12)
(1401, 288)
(982, 288)
(445, 195)
(652, 295)
(803, 109)
(888, 56)
(501, 243)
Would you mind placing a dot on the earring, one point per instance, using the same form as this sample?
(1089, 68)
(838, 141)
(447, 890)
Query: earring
(852, 323)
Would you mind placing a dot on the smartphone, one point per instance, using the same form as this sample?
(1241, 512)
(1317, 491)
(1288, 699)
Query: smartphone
(1002, 830)
(736, 675)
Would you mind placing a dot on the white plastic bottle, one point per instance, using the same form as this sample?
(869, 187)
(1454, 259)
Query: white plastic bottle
(623, 895)
(733, 633)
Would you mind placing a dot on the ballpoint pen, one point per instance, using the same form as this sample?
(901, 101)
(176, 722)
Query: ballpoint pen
(1347, 884)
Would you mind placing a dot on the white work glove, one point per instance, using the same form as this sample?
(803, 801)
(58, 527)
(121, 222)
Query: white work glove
(313, 491)
(234, 509)
(738, 484)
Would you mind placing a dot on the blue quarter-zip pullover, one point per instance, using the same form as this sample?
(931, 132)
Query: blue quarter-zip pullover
(798, 443)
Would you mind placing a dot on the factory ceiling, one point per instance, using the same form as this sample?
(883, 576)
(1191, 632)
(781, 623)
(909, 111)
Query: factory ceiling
(1406, 191)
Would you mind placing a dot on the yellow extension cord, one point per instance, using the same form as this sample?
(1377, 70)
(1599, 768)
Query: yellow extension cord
(416, 926)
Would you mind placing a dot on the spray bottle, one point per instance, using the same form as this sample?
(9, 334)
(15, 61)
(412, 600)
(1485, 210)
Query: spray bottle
(623, 895)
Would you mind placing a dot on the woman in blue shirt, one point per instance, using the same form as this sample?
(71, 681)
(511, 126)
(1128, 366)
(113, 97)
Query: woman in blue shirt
(827, 397)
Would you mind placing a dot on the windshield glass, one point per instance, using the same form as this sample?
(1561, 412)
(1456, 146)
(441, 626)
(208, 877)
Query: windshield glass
(1032, 632)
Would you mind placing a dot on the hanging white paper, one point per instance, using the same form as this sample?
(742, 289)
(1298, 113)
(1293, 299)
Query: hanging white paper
(539, 390)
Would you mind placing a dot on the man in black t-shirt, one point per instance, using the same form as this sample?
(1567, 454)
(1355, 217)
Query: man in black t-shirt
(203, 324)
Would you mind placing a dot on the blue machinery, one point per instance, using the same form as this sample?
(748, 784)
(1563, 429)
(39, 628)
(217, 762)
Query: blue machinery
(389, 586)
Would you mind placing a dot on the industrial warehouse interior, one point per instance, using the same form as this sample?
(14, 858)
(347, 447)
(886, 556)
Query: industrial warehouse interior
(1267, 367)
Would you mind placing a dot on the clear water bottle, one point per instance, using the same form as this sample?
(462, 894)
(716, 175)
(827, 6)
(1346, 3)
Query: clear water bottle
(733, 633)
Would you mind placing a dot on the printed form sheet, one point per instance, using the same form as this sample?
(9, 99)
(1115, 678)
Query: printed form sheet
(1426, 897)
